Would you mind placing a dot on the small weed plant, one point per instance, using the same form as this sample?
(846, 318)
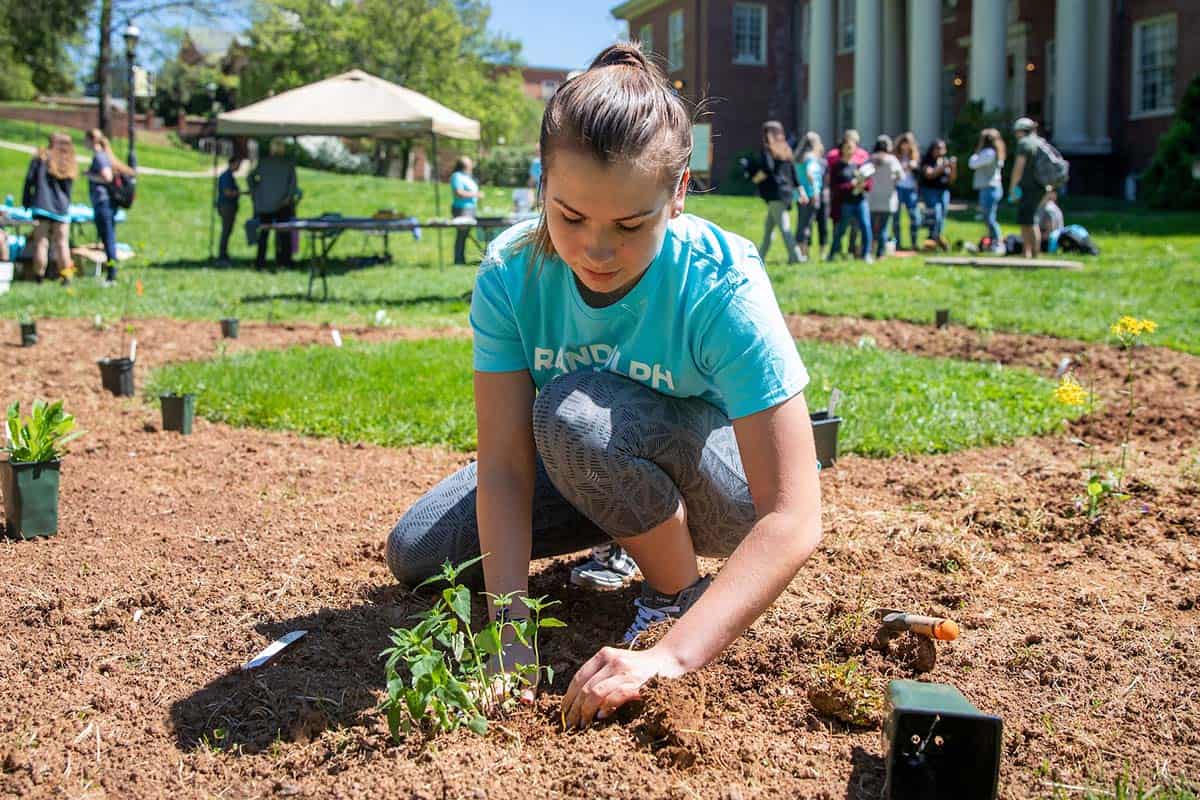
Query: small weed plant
(439, 674)
(42, 436)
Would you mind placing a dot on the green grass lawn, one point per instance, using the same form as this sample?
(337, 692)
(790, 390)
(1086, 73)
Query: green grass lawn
(1149, 267)
(389, 395)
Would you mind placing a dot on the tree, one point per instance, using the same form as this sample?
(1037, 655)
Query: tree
(441, 48)
(34, 45)
(1169, 181)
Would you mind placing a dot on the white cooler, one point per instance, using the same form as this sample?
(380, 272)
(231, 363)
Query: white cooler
(6, 274)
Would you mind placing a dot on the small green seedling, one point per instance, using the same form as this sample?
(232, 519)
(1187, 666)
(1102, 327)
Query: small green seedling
(41, 436)
(439, 675)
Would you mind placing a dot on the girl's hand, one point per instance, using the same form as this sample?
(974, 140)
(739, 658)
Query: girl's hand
(610, 679)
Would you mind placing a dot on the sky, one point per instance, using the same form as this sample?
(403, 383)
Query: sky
(558, 33)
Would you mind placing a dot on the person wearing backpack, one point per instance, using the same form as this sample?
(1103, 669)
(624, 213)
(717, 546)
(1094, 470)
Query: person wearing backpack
(102, 175)
(1037, 170)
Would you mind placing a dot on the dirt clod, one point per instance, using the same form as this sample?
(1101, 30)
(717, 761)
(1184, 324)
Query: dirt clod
(672, 718)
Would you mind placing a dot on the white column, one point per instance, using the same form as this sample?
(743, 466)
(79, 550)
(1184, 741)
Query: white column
(925, 69)
(1101, 30)
(1071, 74)
(867, 55)
(989, 38)
(820, 70)
(893, 105)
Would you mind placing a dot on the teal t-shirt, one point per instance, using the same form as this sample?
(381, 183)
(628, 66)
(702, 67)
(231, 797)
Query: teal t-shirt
(464, 182)
(701, 322)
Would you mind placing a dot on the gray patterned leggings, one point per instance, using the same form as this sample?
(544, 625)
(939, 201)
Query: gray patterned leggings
(614, 459)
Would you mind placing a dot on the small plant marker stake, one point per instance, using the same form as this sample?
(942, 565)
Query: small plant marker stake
(133, 349)
(337, 337)
(273, 649)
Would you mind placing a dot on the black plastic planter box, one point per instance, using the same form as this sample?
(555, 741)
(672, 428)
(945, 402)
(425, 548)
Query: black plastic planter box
(941, 317)
(825, 434)
(178, 412)
(28, 334)
(116, 374)
(229, 328)
(30, 498)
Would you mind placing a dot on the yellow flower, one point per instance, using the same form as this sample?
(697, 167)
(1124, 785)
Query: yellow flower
(1069, 392)
(1129, 328)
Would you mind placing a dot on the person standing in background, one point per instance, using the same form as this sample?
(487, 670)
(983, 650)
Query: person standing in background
(882, 198)
(908, 154)
(938, 171)
(105, 167)
(274, 192)
(466, 195)
(227, 206)
(986, 164)
(47, 193)
(775, 177)
(1023, 187)
(810, 174)
(848, 186)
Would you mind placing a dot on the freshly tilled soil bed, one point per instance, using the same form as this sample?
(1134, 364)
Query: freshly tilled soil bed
(180, 557)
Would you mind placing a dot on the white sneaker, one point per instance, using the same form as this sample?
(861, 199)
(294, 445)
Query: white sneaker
(609, 568)
(653, 607)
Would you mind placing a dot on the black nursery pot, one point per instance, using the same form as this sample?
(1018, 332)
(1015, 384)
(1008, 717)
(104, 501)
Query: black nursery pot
(30, 498)
(229, 328)
(178, 412)
(28, 334)
(942, 317)
(825, 434)
(116, 374)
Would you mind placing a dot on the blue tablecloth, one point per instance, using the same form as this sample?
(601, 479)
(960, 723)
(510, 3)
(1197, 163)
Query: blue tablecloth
(79, 213)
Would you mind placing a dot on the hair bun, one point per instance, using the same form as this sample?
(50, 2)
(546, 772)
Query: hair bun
(622, 54)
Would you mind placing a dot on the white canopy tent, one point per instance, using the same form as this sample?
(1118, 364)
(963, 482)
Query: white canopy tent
(354, 103)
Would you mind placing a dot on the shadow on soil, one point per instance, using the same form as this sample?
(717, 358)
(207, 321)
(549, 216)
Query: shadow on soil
(867, 773)
(333, 677)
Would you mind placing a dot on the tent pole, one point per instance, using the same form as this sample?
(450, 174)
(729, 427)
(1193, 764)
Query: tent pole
(212, 207)
(437, 199)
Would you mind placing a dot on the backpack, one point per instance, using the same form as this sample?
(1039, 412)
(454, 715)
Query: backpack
(1049, 167)
(123, 190)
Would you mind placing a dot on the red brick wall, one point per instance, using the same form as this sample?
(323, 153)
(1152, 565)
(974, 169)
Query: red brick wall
(84, 118)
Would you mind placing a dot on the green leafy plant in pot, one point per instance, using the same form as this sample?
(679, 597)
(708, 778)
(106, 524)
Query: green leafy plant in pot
(29, 477)
(229, 322)
(29, 335)
(179, 406)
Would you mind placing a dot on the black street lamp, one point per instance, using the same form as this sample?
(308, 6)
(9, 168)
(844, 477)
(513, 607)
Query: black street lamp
(131, 35)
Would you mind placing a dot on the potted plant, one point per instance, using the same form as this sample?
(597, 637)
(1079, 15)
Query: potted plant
(941, 317)
(229, 323)
(179, 407)
(825, 430)
(29, 478)
(29, 334)
(116, 374)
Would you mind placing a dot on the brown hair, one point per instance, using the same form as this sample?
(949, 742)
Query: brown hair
(990, 137)
(59, 156)
(119, 166)
(775, 141)
(908, 138)
(621, 109)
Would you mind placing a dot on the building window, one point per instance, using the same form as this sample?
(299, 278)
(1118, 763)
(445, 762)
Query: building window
(845, 27)
(675, 41)
(749, 33)
(845, 111)
(1154, 66)
(548, 89)
(1051, 72)
(646, 37)
(948, 91)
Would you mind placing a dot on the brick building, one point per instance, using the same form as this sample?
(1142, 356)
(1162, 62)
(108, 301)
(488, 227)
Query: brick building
(1101, 76)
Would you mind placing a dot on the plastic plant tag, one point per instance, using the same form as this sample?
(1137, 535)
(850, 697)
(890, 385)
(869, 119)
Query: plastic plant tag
(337, 337)
(835, 397)
(272, 650)
(133, 350)
(380, 317)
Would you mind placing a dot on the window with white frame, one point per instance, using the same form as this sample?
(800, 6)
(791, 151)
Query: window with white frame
(675, 41)
(845, 26)
(845, 111)
(1154, 42)
(646, 37)
(749, 33)
(1051, 71)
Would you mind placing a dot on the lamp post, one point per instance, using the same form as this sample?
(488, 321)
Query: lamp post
(131, 35)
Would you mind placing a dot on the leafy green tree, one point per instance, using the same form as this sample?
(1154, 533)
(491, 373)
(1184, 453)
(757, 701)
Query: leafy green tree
(1168, 181)
(441, 48)
(35, 38)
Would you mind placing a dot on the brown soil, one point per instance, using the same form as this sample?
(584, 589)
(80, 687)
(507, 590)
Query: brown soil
(179, 558)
